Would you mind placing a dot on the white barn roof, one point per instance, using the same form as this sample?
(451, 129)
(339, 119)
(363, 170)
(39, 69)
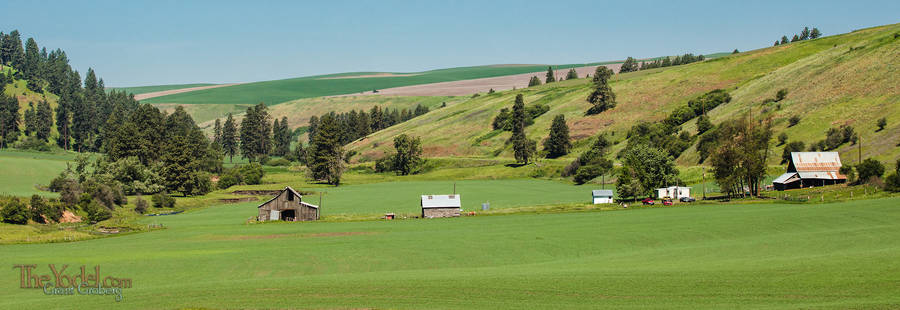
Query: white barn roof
(441, 201)
(602, 193)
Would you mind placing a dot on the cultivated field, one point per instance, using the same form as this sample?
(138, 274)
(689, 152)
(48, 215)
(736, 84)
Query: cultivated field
(837, 255)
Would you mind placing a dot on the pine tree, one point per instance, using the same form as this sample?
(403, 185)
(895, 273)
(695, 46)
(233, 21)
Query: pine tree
(630, 65)
(776, 43)
(572, 74)
(44, 120)
(30, 122)
(32, 61)
(523, 148)
(558, 144)
(735, 51)
(535, 81)
(815, 33)
(229, 138)
(217, 132)
(9, 120)
(63, 121)
(804, 35)
(325, 154)
(602, 98)
(549, 76)
(784, 40)
(795, 38)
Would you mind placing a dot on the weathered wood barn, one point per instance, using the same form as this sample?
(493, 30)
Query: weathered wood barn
(440, 206)
(288, 206)
(811, 169)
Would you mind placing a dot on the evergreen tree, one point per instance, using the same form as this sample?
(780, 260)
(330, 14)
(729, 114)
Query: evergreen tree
(703, 124)
(549, 76)
(314, 123)
(256, 133)
(281, 134)
(44, 120)
(229, 138)
(735, 51)
(523, 148)
(630, 65)
(776, 43)
(535, 81)
(63, 121)
(32, 61)
(217, 132)
(815, 33)
(325, 153)
(9, 120)
(572, 74)
(804, 35)
(795, 39)
(784, 40)
(602, 98)
(558, 144)
(29, 117)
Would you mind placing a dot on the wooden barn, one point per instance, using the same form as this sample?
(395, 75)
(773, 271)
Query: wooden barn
(440, 206)
(811, 169)
(287, 206)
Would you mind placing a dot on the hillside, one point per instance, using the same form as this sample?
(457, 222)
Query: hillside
(137, 90)
(843, 79)
(275, 92)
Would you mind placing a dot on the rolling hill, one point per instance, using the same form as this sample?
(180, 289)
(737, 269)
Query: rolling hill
(843, 79)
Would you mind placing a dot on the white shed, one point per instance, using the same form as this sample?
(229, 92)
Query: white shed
(440, 205)
(674, 192)
(602, 196)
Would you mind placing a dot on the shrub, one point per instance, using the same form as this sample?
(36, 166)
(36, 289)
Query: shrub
(849, 172)
(278, 162)
(140, 205)
(793, 121)
(869, 169)
(781, 94)
(384, 164)
(163, 200)
(14, 212)
(881, 123)
(782, 138)
(97, 213)
(230, 178)
(103, 195)
(252, 174)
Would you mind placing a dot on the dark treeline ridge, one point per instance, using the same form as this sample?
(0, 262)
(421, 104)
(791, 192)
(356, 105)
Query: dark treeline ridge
(804, 34)
(83, 107)
(357, 124)
(670, 61)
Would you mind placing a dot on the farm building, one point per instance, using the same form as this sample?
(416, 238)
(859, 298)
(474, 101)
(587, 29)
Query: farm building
(602, 196)
(287, 206)
(440, 206)
(811, 169)
(674, 192)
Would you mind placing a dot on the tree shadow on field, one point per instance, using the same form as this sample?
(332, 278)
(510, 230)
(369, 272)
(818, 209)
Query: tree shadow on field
(515, 165)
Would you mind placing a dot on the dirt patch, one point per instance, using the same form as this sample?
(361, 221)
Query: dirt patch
(178, 91)
(482, 85)
(376, 75)
(237, 200)
(69, 217)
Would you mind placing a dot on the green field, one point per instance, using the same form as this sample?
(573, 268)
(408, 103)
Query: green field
(155, 88)
(275, 92)
(22, 171)
(840, 255)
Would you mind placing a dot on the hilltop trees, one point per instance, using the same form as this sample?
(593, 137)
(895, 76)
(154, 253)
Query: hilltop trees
(534, 81)
(325, 151)
(281, 136)
(558, 144)
(602, 98)
(784, 40)
(671, 61)
(815, 33)
(550, 78)
(630, 65)
(572, 74)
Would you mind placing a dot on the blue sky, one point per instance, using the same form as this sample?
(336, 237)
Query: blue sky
(132, 43)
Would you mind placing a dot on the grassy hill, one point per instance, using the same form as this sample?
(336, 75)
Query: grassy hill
(275, 92)
(839, 255)
(843, 79)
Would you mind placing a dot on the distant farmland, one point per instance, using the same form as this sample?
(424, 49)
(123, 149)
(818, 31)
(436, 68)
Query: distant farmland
(155, 88)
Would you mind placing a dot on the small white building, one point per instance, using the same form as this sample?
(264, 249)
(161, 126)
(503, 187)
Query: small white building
(440, 206)
(602, 196)
(674, 192)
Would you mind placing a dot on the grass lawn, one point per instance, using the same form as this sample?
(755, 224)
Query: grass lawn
(840, 255)
(21, 171)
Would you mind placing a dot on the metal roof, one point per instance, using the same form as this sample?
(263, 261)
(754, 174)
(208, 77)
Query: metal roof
(827, 175)
(602, 193)
(441, 201)
(816, 161)
(785, 177)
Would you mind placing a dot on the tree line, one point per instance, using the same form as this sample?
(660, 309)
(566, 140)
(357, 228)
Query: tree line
(804, 34)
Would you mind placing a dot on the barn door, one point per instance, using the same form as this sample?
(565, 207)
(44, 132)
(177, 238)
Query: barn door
(274, 215)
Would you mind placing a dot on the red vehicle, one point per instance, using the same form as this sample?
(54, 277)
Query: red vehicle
(648, 202)
(667, 202)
